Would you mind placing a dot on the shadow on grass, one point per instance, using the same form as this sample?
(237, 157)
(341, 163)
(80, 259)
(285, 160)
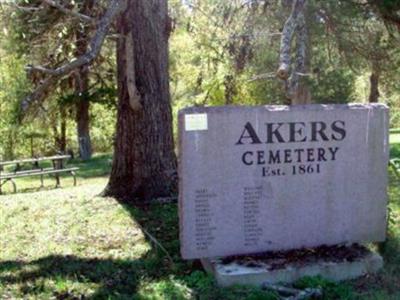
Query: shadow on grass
(160, 222)
(154, 275)
(113, 277)
(160, 225)
(71, 277)
(151, 276)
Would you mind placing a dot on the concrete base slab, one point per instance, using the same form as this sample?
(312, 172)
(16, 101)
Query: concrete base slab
(236, 273)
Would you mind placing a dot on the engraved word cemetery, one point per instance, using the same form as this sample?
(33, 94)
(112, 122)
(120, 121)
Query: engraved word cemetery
(264, 182)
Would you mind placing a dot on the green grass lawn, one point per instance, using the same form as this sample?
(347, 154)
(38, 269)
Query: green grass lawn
(395, 138)
(69, 243)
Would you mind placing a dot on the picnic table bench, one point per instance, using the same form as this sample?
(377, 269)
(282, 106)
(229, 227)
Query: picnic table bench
(58, 167)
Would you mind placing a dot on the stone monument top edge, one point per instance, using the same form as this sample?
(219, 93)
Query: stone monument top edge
(277, 108)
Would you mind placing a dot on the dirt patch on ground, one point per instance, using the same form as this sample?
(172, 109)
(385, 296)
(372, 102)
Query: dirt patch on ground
(299, 257)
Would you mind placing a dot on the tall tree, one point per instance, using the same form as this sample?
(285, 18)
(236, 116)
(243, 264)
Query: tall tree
(144, 164)
(81, 83)
(362, 39)
(62, 31)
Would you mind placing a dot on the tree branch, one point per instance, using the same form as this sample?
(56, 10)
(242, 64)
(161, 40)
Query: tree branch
(263, 76)
(70, 12)
(115, 7)
(21, 8)
(287, 37)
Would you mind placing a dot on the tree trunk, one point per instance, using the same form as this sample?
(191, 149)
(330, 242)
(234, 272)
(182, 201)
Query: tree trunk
(60, 138)
(32, 152)
(10, 145)
(230, 89)
(374, 83)
(63, 131)
(82, 122)
(294, 74)
(81, 88)
(300, 89)
(144, 164)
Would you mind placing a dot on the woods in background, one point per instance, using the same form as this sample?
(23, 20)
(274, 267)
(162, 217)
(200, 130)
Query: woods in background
(62, 63)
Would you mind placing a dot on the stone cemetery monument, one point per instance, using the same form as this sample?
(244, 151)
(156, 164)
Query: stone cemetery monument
(274, 178)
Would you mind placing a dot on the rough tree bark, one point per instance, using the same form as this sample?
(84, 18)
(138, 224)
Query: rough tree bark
(63, 131)
(144, 164)
(230, 89)
(374, 83)
(81, 88)
(83, 123)
(294, 74)
(60, 138)
(298, 85)
(288, 32)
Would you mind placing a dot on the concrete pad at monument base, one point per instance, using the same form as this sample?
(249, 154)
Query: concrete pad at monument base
(272, 178)
(234, 273)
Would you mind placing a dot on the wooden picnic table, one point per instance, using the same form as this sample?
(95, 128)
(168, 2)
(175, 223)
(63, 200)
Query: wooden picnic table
(58, 167)
(33, 160)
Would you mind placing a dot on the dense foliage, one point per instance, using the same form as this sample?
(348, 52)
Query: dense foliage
(221, 52)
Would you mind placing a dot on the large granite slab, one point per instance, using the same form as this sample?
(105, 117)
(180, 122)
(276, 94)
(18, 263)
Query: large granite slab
(264, 178)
